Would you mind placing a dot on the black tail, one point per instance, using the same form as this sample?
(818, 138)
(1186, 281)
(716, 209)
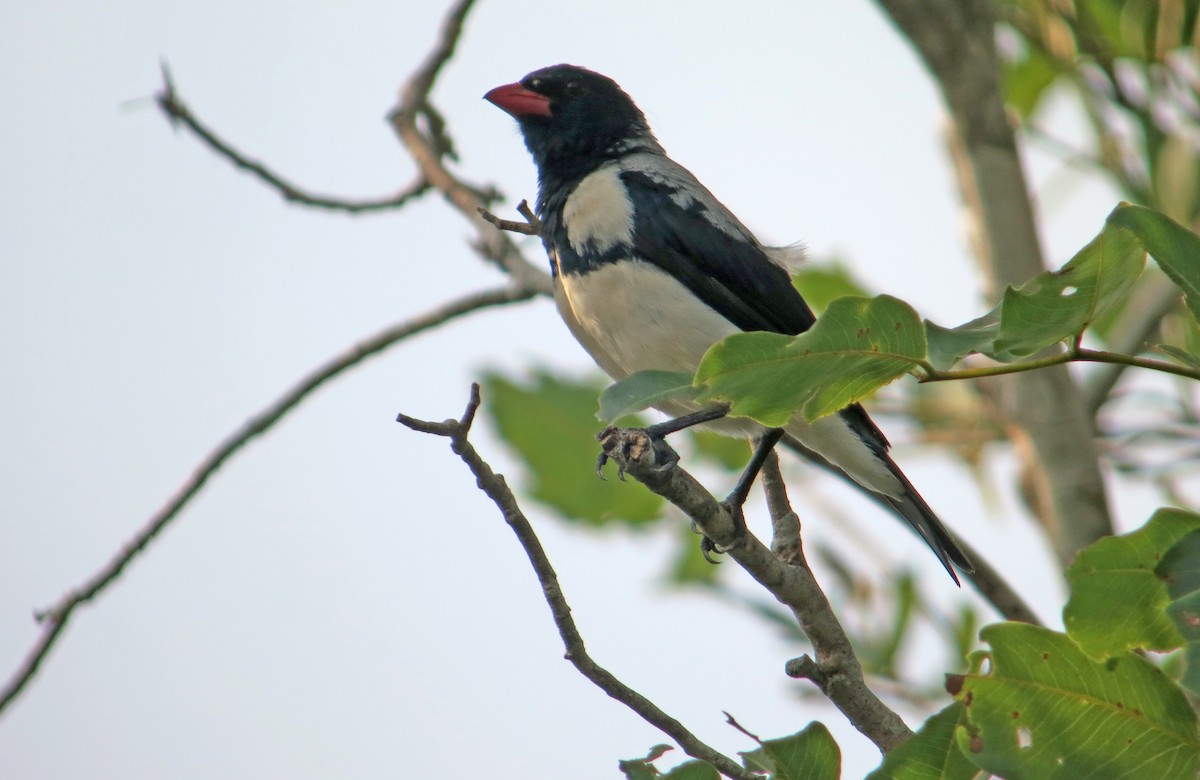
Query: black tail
(917, 513)
(911, 508)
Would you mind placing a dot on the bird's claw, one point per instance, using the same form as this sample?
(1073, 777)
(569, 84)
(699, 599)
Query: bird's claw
(633, 447)
(709, 546)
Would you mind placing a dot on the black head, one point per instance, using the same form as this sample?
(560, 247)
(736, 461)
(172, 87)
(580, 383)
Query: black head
(573, 119)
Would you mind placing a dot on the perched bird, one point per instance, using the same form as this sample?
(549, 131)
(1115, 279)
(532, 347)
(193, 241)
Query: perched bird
(650, 270)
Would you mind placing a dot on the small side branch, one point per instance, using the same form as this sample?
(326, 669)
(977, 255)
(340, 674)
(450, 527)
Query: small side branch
(496, 488)
(532, 226)
(54, 618)
(179, 115)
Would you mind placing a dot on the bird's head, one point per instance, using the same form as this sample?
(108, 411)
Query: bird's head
(573, 119)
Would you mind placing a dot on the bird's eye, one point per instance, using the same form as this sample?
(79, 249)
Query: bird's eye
(574, 88)
(535, 84)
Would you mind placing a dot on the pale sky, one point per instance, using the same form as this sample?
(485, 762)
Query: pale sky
(341, 601)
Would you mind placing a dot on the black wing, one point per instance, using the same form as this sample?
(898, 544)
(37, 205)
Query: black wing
(681, 228)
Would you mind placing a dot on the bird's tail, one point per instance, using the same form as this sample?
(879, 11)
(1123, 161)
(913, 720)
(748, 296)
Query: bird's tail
(909, 506)
(917, 513)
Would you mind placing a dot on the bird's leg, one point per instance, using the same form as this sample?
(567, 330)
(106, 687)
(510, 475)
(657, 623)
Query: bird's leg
(625, 445)
(659, 430)
(762, 450)
(737, 497)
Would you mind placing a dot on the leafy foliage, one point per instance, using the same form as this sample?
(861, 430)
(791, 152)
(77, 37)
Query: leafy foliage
(810, 754)
(932, 753)
(1174, 247)
(1059, 305)
(641, 391)
(1180, 570)
(1118, 601)
(856, 346)
(1038, 707)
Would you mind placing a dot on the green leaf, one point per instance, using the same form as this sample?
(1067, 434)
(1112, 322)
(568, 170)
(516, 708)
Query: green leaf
(1180, 570)
(823, 283)
(931, 754)
(857, 346)
(642, 390)
(1175, 248)
(643, 768)
(811, 754)
(549, 421)
(693, 770)
(1043, 710)
(1059, 305)
(947, 346)
(1185, 358)
(1117, 601)
(1026, 81)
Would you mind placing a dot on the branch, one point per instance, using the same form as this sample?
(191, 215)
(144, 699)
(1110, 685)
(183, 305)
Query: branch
(496, 488)
(532, 226)
(1074, 355)
(427, 151)
(54, 618)
(956, 41)
(836, 669)
(178, 114)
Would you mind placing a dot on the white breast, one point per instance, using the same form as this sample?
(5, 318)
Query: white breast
(637, 317)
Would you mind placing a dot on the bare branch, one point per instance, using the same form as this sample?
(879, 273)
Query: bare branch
(836, 669)
(785, 523)
(531, 227)
(496, 488)
(55, 617)
(427, 150)
(178, 114)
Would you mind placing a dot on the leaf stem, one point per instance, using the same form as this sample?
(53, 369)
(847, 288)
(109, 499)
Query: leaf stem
(1076, 354)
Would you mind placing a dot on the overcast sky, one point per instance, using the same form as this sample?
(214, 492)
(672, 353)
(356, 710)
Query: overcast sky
(341, 601)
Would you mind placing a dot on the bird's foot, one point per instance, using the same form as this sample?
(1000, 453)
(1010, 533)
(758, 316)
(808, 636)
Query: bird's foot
(708, 546)
(642, 447)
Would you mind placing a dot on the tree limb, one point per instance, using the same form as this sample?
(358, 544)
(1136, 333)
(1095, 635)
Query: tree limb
(955, 39)
(836, 669)
(496, 488)
(54, 618)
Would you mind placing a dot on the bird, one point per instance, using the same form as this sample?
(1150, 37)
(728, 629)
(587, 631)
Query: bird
(650, 270)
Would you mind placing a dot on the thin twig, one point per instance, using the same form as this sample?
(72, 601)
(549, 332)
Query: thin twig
(532, 226)
(1076, 354)
(54, 618)
(836, 669)
(178, 114)
(496, 488)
